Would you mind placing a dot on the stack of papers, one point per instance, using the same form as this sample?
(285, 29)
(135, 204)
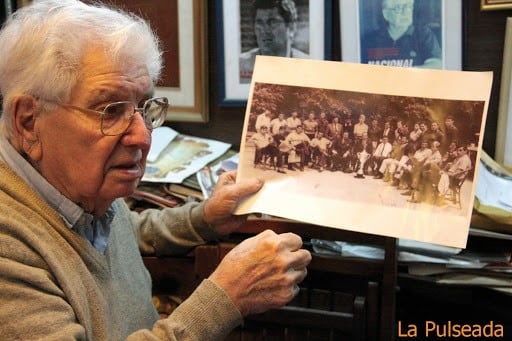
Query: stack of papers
(493, 195)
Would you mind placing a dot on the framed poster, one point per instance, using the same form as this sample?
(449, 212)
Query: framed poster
(181, 26)
(300, 29)
(487, 5)
(414, 33)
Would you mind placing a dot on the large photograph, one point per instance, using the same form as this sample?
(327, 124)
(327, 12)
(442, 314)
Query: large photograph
(352, 157)
(284, 28)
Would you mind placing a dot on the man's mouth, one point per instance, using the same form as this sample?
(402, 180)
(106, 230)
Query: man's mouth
(127, 166)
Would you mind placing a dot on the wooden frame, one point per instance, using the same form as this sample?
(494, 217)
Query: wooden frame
(181, 26)
(189, 100)
(450, 31)
(504, 127)
(488, 5)
(183, 31)
(232, 90)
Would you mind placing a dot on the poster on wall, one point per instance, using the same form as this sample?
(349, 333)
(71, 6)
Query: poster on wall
(339, 147)
(404, 33)
(181, 27)
(288, 28)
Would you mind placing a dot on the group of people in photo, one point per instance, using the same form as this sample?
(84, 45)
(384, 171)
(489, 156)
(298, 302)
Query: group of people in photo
(426, 160)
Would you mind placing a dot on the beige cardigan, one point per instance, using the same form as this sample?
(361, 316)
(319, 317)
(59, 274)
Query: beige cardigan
(55, 285)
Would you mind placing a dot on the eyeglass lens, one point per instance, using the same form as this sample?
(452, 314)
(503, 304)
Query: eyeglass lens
(117, 116)
(155, 111)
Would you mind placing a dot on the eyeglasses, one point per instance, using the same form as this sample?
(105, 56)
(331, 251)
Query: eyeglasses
(116, 117)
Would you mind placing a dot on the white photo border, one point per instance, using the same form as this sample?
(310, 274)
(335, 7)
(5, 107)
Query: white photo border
(231, 91)
(189, 101)
(504, 127)
(451, 23)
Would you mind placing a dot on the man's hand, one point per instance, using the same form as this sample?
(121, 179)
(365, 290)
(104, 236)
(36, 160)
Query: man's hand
(263, 272)
(218, 209)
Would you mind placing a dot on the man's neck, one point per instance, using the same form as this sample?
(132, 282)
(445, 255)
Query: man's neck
(395, 32)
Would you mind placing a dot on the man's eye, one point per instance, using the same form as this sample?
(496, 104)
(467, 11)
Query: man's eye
(115, 110)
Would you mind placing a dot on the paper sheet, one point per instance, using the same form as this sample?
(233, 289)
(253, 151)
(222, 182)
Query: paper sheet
(160, 138)
(182, 157)
(337, 199)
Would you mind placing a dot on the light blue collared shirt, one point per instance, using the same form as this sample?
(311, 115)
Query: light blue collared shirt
(96, 231)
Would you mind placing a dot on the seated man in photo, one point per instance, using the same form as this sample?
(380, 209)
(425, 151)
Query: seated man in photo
(421, 183)
(265, 149)
(299, 148)
(362, 152)
(414, 166)
(389, 165)
(282, 149)
(341, 153)
(320, 151)
(455, 173)
(382, 151)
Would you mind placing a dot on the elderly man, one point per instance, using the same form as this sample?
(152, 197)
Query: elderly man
(77, 84)
(454, 173)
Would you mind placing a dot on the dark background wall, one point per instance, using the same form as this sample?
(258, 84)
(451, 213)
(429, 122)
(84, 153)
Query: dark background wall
(483, 39)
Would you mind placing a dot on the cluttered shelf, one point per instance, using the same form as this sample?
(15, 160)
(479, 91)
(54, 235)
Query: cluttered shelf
(348, 298)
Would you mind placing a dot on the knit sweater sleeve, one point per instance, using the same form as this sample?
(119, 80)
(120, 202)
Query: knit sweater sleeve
(208, 314)
(171, 231)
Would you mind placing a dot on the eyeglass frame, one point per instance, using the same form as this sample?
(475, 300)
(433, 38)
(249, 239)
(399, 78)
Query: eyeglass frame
(142, 110)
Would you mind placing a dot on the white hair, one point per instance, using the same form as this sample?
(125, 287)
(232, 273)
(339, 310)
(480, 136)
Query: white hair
(42, 46)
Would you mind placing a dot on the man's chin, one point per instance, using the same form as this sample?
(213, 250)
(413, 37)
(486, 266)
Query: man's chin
(122, 190)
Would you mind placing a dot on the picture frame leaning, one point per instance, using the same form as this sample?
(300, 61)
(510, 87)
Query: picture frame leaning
(503, 152)
(443, 17)
(491, 5)
(189, 99)
(236, 36)
(181, 26)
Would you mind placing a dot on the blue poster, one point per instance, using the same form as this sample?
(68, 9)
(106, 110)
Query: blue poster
(404, 33)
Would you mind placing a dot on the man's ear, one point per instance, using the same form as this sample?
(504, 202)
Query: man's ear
(25, 112)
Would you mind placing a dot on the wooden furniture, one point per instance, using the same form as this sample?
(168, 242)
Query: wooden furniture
(341, 298)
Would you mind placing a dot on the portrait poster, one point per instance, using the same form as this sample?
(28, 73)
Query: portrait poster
(354, 198)
(240, 36)
(410, 33)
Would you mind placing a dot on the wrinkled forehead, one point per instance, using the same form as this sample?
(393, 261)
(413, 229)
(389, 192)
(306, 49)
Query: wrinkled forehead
(268, 13)
(392, 3)
(102, 72)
